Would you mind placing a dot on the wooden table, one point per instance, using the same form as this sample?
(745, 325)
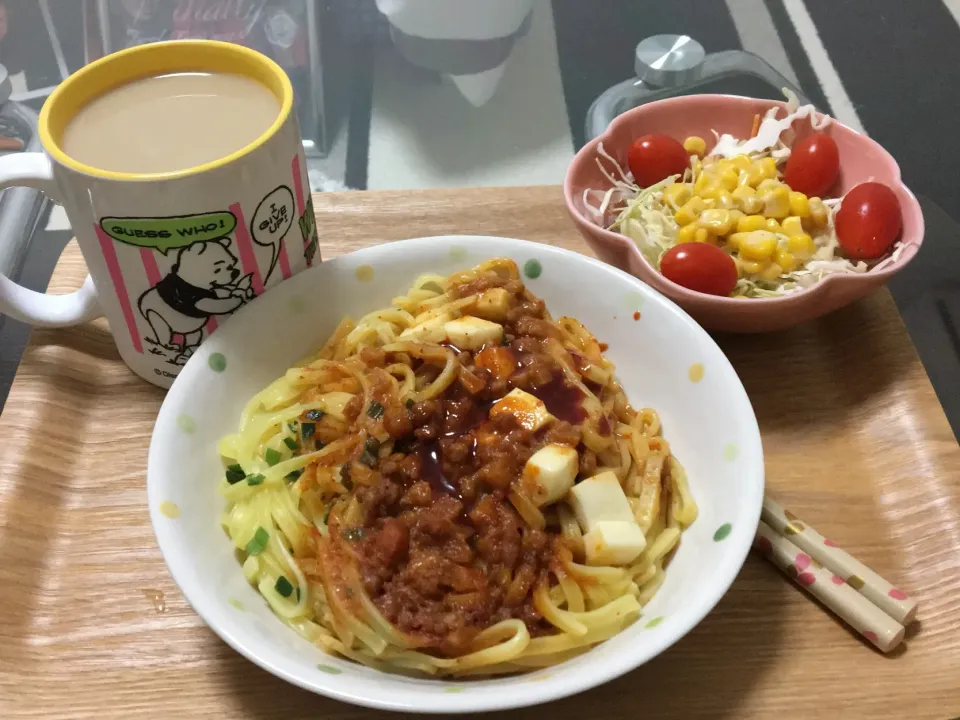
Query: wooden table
(92, 626)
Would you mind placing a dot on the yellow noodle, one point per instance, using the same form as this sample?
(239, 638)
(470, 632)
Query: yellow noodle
(301, 513)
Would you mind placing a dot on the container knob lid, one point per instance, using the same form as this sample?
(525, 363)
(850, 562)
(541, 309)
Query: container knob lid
(668, 60)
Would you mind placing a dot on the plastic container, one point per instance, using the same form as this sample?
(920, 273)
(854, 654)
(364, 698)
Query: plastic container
(673, 65)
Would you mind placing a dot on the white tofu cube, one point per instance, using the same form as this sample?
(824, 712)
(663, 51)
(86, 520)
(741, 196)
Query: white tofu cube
(529, 411)
(493, 304)
(599, 499)
(470, 333)
(613, 542)
(549, 473)
(429, 331)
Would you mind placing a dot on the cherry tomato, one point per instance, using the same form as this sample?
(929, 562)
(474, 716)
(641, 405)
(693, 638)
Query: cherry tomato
(701, 267)
(654, 157)
(813, 165)
(868, 221)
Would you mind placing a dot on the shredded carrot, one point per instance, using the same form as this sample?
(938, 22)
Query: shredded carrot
(756, 125)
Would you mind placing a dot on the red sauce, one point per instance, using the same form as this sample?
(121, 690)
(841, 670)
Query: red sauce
(593, 387)
(464, 417)
(431, 470)
(564, 401)
(604, 425)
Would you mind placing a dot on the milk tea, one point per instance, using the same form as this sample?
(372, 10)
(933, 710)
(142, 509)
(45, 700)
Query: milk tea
(170, 122)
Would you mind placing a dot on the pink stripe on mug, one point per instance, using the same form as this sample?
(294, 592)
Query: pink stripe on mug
(248, 257)
(298, 191)
(119, 286)
(150, 266)
(298, 185)
(284, 260)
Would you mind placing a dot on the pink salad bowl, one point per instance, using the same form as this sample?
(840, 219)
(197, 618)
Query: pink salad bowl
(861, 159)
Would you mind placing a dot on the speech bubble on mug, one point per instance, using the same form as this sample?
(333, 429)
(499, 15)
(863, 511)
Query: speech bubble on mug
(166, 233)
(273, 217)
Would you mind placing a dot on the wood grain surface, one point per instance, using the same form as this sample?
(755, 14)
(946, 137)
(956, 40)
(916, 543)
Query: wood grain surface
(92, 626)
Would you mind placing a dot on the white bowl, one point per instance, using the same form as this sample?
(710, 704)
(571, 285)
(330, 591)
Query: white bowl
(710, 426)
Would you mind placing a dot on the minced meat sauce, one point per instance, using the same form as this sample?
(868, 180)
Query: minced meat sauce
(442, 552)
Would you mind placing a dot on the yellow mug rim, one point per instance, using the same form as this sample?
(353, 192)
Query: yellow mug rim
(125, 66)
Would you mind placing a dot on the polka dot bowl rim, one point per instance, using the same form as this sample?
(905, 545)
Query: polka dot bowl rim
(725, 466)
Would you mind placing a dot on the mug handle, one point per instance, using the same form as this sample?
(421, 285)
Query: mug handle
(35, 171)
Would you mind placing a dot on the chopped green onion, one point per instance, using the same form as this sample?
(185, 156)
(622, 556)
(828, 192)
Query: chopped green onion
(370, 449)
(292, 426)
(235, 474)
(353, 534)
(409, 403)
(307, 430)
(504, 341)
(326, 515)
(256, 479)
(291, 443)
(345, 478)
(375, 410)
(294, 475)
(258, 543)
(313, 414)
(283, 586)
(272, 456)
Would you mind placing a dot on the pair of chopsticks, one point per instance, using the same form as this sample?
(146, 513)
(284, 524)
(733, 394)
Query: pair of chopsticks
(855, 593)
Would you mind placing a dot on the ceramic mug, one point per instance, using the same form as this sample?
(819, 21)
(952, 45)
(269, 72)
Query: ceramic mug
(170, 255)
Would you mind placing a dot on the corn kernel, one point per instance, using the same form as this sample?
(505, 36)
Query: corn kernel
(799, 204)
(792, 226)
(725, 200)
(728, 179)
(801, 245)
(768, 184)
(758, 245)
(741, 162)
(687, 233)
(776, 203)
(773, 226)
(710, 192)
(702, 183)
(771, 272)
(695, 145)
(769, 167)
(703, 235)
(676, 194)
(751, 267)
(751, 177)
(749, 223)
(747, 200)
(690, 211)
(717, 222)
(786, 260)
(818, 211)
(709, 203)
(735, 216)
(722, 165)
